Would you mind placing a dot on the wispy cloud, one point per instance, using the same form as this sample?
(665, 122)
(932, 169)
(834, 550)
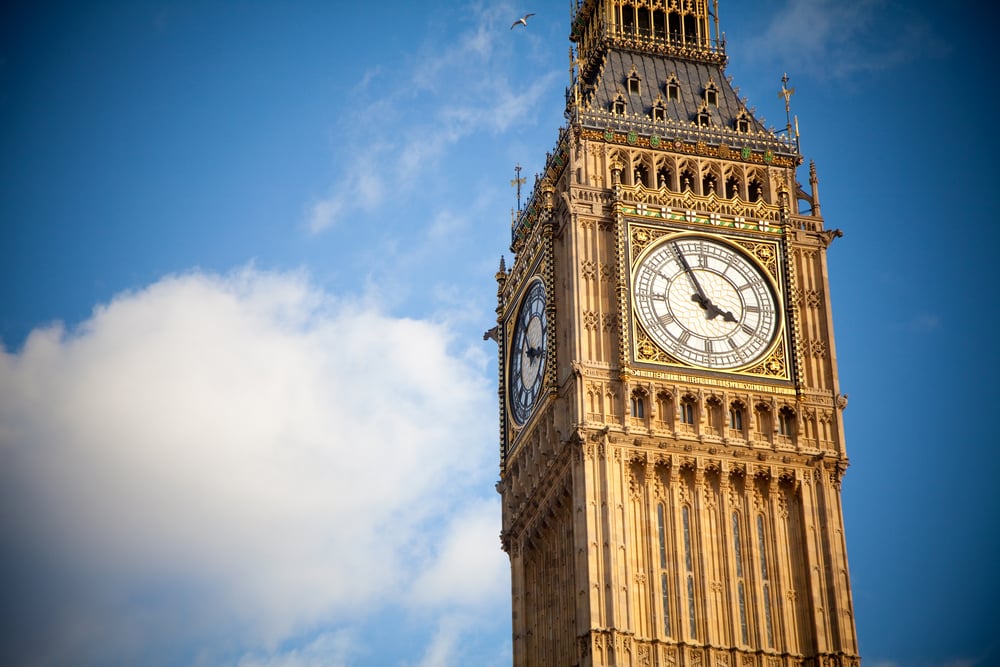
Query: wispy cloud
(452, 88)
(837, 40)
(329, 649)
(219, 464)
(926, 322)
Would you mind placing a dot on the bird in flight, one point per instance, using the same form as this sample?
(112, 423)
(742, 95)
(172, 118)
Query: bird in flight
(521, 21)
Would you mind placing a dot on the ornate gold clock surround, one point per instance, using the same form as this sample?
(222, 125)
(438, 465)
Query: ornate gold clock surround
(765, 252)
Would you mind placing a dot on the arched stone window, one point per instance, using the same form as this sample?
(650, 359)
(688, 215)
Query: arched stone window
(740, 577)
(687, 412)
(763, 421)
(638, 404)
(661, 532)
(737, 419)
(713, 414)
(786, 423)
(664, 409)
(765, 579)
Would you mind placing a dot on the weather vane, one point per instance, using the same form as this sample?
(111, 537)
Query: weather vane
(787, 93)
(518, 182)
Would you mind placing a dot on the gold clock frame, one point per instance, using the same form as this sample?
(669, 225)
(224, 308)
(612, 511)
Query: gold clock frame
(765, 253)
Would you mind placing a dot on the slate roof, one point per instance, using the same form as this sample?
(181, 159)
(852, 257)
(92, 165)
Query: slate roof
(599, 95)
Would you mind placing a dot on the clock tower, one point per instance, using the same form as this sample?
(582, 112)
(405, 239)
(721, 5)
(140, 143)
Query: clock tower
(672, 444)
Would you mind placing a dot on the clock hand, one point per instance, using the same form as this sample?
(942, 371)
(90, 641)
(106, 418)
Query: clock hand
(714, 310)
(700, 297)
(711, 310)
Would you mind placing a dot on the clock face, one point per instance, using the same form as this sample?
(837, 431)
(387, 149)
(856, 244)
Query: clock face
(705, 302)
(527, 353)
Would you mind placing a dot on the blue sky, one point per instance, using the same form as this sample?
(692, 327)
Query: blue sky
(247, 416)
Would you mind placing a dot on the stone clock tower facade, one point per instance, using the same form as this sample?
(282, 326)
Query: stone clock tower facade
(672, 443)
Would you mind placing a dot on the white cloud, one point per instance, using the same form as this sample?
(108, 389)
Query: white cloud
(397, 134)
(332, 649)
(238, 457)
(469, 565)
(322, 213)
(838, 40)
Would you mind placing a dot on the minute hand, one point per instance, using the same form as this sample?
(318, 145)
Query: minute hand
(711, 310)
(700, 297)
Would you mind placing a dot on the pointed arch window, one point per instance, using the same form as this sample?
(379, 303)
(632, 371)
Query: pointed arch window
(708, 184)
(640, 175)
(713, 407)
(786, 422)
(736, 417)
(638, 404)
(741, 593)
(765, 581)
(687, 179)
(732, 187)
(663, 177)
(664, 412)
(659, 25)
(762, 421)
(628, 19)
(689, 570)
(661, 530)
(687, 411)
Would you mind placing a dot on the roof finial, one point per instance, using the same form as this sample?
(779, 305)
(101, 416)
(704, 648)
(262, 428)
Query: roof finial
(517, 181)
(787, 93)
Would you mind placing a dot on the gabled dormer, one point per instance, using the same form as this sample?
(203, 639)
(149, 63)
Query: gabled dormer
(710, 94)
(672, 88)
(659, 110)
(742, 123)
(633, 82)
(704, 116)
(618, 104)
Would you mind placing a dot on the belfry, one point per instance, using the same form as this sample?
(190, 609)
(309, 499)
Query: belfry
(672, 442)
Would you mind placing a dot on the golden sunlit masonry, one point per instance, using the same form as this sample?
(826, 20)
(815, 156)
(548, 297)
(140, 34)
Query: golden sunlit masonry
(672, 440)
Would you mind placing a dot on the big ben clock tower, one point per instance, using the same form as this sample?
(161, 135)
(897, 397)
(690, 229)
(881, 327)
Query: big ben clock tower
(672, 444)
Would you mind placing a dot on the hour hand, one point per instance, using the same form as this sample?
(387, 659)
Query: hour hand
(534, 352)
(711, 310)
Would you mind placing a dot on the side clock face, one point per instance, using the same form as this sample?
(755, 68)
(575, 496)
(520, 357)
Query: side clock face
(705, 302)
(527, 353)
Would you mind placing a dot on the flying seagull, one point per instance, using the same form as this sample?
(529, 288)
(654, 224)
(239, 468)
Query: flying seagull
(521, 21)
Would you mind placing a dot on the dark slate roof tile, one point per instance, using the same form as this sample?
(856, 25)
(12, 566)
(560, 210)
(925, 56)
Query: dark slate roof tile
(654, 72)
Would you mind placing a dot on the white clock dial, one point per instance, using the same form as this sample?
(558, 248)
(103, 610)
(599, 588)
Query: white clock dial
(705, 302)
